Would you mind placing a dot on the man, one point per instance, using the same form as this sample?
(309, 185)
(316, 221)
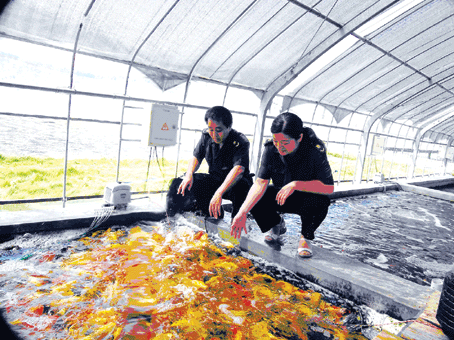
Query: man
(227, 154)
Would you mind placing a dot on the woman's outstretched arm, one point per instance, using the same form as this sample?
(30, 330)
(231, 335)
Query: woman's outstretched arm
(254, 195)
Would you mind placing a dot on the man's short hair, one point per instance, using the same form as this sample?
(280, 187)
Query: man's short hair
(219, 114)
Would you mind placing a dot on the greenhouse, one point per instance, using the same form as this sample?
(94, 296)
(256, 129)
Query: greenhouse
(98, 93)
(372, 78)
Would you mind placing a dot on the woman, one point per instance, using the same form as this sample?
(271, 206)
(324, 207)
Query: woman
(295, 160)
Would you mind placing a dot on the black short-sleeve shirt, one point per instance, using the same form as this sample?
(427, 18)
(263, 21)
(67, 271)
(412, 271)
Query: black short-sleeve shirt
(234, 151)
(309, 162)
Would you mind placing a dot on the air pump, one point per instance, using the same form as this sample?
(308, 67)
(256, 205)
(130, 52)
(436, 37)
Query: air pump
(117, 195)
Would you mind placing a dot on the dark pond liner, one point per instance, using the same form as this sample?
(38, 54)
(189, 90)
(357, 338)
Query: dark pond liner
(445, 188)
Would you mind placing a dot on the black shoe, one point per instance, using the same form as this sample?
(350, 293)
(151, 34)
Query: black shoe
(172, 206)
(170, 212)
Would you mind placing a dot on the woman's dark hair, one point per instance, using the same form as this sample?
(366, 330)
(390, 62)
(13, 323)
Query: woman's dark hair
(291, 125)
(219, 114)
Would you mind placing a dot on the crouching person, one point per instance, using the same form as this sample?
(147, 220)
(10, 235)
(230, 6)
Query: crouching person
(295, 160)
(227, 154)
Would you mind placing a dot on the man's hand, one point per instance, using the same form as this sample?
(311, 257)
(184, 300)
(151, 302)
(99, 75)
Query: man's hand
(186, 183)
(238, 224)
(285, 192)
(215, 205)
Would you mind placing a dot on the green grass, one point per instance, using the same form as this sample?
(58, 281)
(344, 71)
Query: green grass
(30, 177)
(33, 177)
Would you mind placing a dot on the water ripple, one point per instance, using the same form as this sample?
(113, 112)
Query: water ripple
(403, 233)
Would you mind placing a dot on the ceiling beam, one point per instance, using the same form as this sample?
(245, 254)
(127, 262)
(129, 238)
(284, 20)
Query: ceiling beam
(304, 62)
(316, 13)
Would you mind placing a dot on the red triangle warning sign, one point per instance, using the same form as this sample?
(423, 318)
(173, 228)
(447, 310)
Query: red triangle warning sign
(165, 127)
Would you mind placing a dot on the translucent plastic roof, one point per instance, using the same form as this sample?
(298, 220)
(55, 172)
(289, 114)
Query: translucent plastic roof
(401, 69)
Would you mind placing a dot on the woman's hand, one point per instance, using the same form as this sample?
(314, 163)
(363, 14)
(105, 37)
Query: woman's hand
(215, 205)
(238, 224)
(285, 192)
(186, 183)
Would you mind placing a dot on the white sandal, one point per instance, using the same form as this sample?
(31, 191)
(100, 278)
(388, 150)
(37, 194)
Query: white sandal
(275, 232)
(304, 248)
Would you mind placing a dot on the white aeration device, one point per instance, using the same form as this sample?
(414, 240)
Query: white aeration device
(379, 178)
(118, 195)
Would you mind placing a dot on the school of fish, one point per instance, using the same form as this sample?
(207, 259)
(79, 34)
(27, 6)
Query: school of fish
(164, 284)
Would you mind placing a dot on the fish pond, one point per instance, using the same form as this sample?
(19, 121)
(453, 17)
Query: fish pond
(158, 281)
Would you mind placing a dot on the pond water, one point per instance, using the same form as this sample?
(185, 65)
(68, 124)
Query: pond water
(158, 281)
(406, 234)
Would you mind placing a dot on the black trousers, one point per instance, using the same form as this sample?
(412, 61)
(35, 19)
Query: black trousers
(312, 209)
(203, 188)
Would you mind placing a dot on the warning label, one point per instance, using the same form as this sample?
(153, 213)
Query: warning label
(165, 127)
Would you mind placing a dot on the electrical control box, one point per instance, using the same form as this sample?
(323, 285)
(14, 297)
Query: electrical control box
(162, 126)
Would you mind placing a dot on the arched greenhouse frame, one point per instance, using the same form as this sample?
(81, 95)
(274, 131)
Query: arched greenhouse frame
(372, 78)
